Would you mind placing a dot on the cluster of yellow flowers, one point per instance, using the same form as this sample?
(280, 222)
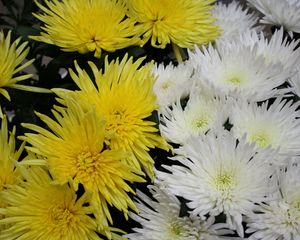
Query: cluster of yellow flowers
(99, 139)
(96, 25)
(97, 142)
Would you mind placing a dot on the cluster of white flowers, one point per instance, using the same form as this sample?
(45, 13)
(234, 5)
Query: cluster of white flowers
(232, 114)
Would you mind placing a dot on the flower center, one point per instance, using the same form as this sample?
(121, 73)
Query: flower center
(262, 139)
(292, 218)
(235, 80)
(297, 205)
(116, 119)
(165, 85)
(175, 229)
(200, 123)
(224, 181)
(119, 122)
(6, 179)
(88, 166)
(61, 216)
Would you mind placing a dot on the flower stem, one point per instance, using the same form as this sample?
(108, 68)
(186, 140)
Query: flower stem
(177, 53)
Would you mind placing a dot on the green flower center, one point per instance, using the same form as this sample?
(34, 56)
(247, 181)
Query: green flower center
(297, 205)
(175, 229)
(235, 80)
(224, 181)
(200, 122)
(262, 139)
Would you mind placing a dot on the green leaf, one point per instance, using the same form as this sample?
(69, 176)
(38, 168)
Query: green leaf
(26, 31)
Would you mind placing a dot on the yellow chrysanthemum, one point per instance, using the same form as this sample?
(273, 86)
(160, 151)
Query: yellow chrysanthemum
(11, 59)
(123, 95)
(181, 22)
(9, 174)
(38, 209)
(87, 25)
(74, 149)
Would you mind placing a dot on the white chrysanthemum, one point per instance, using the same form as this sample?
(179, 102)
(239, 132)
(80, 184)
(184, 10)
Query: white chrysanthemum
(279, 219)
(277, 125)
(199, 116)
(222, 175)
(172, 82)
(233, 19)
(160, 220)
(284, 13)
(276, 49)
(236, 70)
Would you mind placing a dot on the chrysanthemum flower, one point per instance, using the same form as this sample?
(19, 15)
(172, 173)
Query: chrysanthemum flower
(124, 96)
(12, 56)
(280, 218)
(172, 82)
(75, 149)
(199, 116)
(220, 175)
(233, 19)
(182, 22)
(276, 49)
(160, 220)
(284, 13)
(236, 70)
(277, 125)
(38, 209)
(87, 26)
(9, 174)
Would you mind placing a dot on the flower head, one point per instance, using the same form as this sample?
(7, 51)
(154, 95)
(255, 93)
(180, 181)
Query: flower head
(87, 26)
(124, 96)
(220, 176)
(276, 125)
(172, 82)
(284, 13)
(199, 116)
(38, 209)
(182, 22)
(160, 219)
(279, 218)
(232, 19)
(12, 56)
(237, 70)
(81, 155)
